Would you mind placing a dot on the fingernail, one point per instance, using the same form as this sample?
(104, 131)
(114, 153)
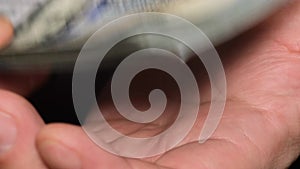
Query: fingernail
(57, 155)
(8, 133)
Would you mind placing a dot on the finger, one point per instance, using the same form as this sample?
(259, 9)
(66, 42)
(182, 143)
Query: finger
(68, 147)
(19, 124)
(6, 32)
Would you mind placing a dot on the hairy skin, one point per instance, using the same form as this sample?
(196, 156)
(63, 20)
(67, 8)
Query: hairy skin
(260, 128)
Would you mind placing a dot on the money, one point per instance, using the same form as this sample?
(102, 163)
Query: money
(71, 20)
(18, 11)
(53, 31)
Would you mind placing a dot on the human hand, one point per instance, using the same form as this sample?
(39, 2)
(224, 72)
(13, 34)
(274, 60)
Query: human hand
(260, 127)
(18, 125)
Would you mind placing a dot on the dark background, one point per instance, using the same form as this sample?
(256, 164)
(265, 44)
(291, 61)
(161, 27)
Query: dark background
(54, 102)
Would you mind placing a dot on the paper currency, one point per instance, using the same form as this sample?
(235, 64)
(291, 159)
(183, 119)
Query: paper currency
(18, 11)
(52, 31)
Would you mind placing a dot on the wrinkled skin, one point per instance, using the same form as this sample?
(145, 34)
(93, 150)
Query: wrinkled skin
(260, 128)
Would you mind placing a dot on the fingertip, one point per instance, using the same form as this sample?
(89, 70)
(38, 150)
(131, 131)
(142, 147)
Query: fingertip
(69, 139)
(20, 109)
(6, 31)
(55, 147)
(58, 155)
(19, 124)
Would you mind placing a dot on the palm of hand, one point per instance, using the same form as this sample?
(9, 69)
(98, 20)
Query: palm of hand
(262, 69)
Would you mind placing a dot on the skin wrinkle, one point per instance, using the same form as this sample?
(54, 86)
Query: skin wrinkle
(248, 138)
(203, 164)
(214, 138)
(269, 71)
(132, 165)
(231, 142)
(250, 142)
(268, 112)
(157, 161)
(282, 123)
(143, 127)
(129, 164)
(272, 111)
(277, 108)
(260, 150)
(289, 48)
(266, 115)
(162, 167)
(262, 114)
(268, 67)
(130, 134)
(61, 143)
(227, 139)
(271, 54)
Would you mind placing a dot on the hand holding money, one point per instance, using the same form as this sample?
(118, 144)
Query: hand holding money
(260, 128)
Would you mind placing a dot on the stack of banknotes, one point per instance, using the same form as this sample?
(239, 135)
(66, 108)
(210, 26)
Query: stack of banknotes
(53, 31)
